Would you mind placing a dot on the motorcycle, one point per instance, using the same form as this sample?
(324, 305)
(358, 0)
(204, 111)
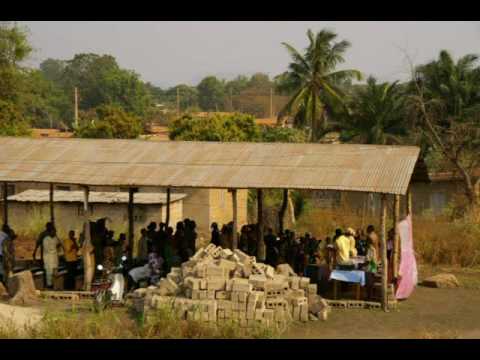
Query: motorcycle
(109, 288)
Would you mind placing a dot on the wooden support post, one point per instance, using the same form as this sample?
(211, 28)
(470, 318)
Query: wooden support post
(283, 209)
(52, 212)
(5, 203)
(235, 219)
(409, 202)
(131, 230)
(261, 250)
(383, 239)
(396, 241)
(167, 217)
(87, 249)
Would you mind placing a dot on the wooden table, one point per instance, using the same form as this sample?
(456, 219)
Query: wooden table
(335, 289)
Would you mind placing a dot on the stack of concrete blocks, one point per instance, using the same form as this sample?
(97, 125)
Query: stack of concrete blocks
(219, 285)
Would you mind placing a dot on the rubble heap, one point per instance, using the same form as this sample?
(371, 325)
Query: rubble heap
(219, 285)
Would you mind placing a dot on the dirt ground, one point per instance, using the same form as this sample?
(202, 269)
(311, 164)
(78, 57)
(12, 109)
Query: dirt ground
(428, 313)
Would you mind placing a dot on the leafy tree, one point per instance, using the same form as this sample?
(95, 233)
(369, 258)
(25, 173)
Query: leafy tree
(100, 81)
(236, 127)
(237, 85)
(211, 94)
(446, 104)
(260, 82)
(313, 80)
(53, 69)
(41, 101)
(11, 121)
(14, 48)
(377, 114)
(109, 121)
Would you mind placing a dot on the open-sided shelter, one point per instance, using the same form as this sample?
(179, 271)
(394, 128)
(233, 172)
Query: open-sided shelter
(131, 163)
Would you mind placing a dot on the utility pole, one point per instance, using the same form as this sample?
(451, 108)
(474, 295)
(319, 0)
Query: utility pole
(178, 101)
(271, 103)
(231, 100)
(76, 107)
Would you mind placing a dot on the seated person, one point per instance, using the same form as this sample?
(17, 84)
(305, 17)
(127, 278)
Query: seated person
(343, 247)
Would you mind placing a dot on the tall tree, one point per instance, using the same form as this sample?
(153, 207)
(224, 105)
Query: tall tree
(313, 80)
(377, 114)
(14, 48)
(211, 94)
(446, 102)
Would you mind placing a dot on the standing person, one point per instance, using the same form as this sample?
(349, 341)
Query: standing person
(71, 259)
(160, 236)
(390, 240)
(142, 250)
(151, 234)
(193, 239)
(252, 240)
(224, 237)
(215, 239)
(51, 244)
(270, 243)
(3, 237)
(39, 242)
(120, 248)
(7, 252)
(361, 241)
(371, 261)
(243, 241)
(179, 243)
(373, 237)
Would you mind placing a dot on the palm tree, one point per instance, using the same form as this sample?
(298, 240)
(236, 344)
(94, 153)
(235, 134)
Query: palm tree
(312, 79)
(377, 114)
(455, 86)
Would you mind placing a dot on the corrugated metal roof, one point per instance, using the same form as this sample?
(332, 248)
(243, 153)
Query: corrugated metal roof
(95, 197)
(369, 168)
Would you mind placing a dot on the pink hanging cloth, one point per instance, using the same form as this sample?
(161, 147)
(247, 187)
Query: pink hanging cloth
(408, 275)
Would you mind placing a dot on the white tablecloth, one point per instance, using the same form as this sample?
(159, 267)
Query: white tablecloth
(353, 276)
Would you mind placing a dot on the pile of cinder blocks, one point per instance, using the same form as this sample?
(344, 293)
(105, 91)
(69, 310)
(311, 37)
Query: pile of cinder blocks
(220, 285)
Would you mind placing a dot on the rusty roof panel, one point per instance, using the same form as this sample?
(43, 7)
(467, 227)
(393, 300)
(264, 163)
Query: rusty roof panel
(100, 197)
(369, 168)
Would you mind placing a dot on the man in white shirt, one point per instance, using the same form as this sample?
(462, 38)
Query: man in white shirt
(51, 243)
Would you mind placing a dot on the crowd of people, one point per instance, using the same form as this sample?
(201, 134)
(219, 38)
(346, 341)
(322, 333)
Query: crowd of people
(160, 247)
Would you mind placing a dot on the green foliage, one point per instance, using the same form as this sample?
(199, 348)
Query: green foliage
(284, 135)
(377, 114)
(14, 48)
(211, 94)
(100, 81)
(313, 81)
(236, 127)
(12, 123)
(110, 121)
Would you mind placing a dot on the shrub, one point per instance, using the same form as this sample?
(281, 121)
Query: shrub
(12, 122)
(110, 121)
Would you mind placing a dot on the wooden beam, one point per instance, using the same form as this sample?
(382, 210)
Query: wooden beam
(396, 241)
(283, 209)
(87, 248)
(409, 202)
(131, 229)
(235, 219)
(383, 239)
(5, 203)
(261, 250)
(167, 217)
(52, 212)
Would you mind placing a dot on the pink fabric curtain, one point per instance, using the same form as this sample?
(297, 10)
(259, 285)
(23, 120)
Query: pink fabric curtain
(408, 274)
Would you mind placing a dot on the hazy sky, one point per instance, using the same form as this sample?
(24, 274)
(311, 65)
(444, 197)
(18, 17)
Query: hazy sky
(168, 53)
